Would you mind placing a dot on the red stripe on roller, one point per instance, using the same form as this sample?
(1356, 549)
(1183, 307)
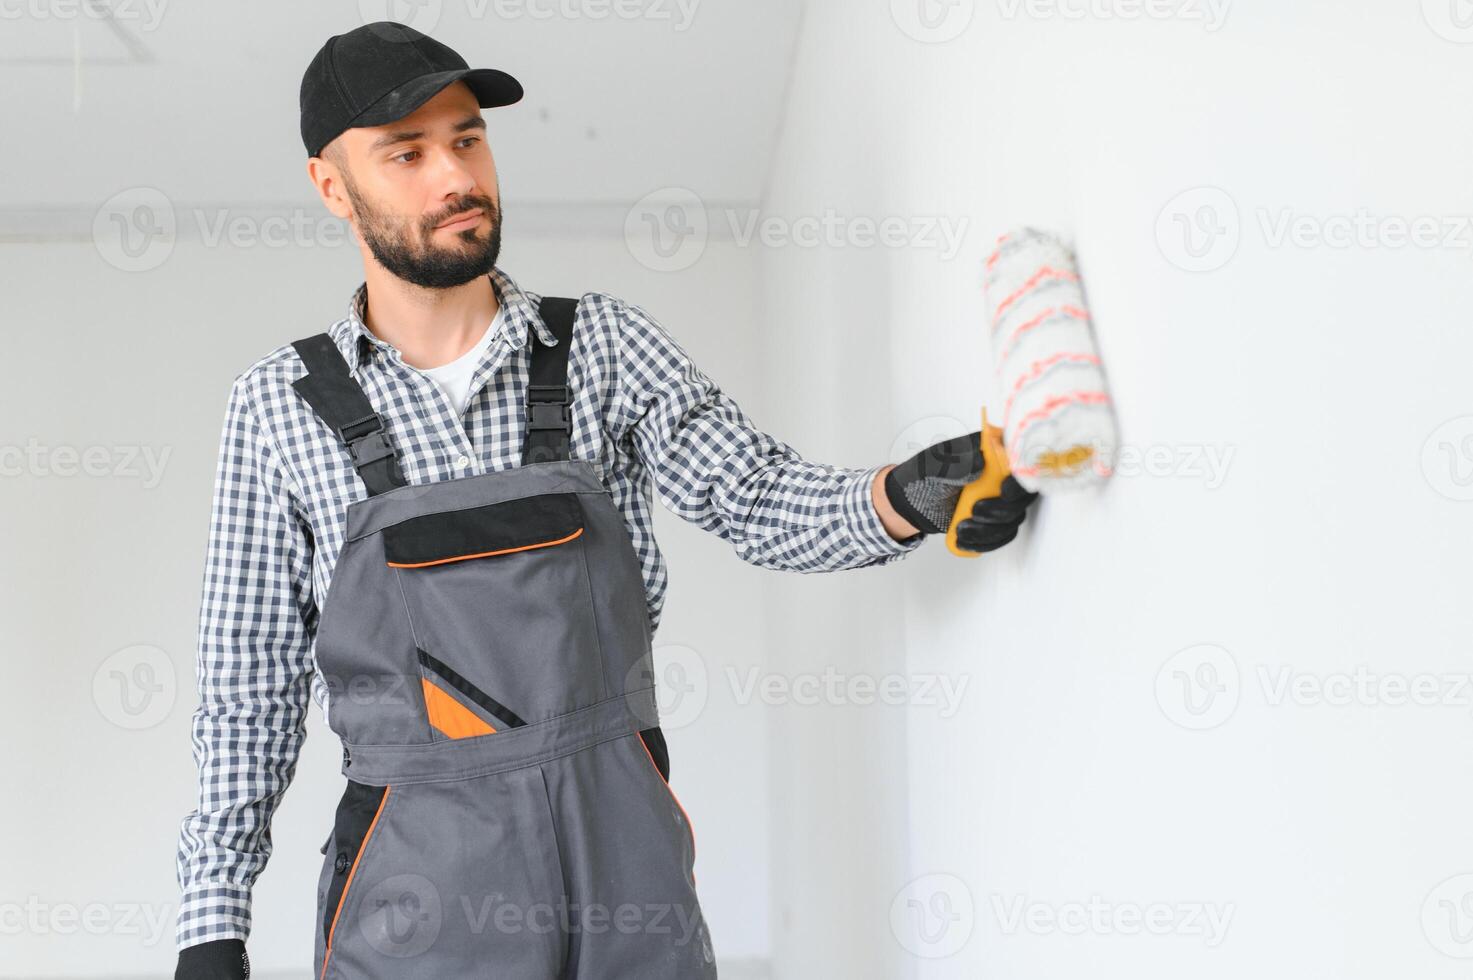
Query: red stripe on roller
(1036, 371)
(1012, 340)
(1047, 272)
(1045, 411)
(997, 250)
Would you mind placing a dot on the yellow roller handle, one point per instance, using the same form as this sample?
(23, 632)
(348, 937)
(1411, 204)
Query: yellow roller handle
(995, 469)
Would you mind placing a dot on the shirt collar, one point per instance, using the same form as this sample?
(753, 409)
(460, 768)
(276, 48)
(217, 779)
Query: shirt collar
(358, 343)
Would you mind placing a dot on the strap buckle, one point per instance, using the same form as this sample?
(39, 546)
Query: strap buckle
(547, 408)
(367, 440)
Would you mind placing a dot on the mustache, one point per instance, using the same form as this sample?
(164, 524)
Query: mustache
(466, 204)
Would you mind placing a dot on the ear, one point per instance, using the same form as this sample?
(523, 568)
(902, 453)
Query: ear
(327, 179)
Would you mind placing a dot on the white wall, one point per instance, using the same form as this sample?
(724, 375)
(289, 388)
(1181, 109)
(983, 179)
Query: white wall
(1331, 380)
(1335, 376)
(94, 565)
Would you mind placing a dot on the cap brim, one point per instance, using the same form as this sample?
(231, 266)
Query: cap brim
(491, 86)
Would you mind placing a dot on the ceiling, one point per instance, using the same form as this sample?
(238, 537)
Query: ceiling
(199, 101)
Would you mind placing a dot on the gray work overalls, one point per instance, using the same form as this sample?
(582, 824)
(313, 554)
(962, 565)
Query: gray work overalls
(487, 644)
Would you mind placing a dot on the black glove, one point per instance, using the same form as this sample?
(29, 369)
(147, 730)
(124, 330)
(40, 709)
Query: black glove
(995, 520)
(219, 959)
(924, 490)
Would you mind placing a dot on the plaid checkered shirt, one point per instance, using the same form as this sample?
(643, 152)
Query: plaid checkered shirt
(643, 414)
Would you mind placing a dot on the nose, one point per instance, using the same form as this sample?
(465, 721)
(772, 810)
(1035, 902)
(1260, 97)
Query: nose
(453, 177)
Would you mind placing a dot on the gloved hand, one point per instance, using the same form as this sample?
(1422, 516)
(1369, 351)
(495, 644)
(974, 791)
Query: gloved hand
(995, 520)
(218, 959)
(924, 490)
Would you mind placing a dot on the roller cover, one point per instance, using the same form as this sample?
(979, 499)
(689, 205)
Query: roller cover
(1057, 417)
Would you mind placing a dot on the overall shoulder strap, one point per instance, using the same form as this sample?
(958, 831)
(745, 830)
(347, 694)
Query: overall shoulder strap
(548, 421)
(340, 402)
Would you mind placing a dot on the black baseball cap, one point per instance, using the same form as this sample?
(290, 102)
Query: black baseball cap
(383, 71)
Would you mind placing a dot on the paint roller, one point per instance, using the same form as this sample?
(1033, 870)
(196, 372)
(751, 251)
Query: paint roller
(1058, 423)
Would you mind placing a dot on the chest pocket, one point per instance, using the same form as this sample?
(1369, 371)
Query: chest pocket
(500, 602)
(502, 528)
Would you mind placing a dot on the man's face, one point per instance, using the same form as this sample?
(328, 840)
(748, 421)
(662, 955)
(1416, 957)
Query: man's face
(422, 191)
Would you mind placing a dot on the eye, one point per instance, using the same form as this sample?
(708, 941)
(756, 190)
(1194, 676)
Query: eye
(406, 153)
(470, 139)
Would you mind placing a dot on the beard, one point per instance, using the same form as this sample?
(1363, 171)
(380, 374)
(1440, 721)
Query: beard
(408, 250)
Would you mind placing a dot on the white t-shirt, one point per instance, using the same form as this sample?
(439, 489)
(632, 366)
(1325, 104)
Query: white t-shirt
(455, 378)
